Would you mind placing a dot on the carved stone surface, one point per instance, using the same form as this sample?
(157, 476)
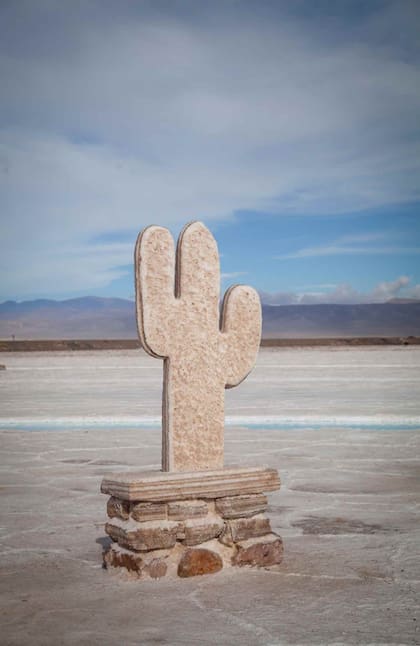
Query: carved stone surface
(199, 561)
(200, 530)
(241, 506)
(118, 508)
(156, 486)
(152, 535)
(183, 509)
(144, 511)
(195, 501)
(178, 318)
(263, 552)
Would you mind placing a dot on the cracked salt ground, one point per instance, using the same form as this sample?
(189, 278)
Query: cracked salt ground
(348, 511)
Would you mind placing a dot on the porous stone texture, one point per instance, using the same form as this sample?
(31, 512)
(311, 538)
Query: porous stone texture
(178, 319)
(199, 530)
(144, 511)
(240, 529)
(199, 561)
(118, 557)
(117, 508)
(153, 564)
(263, 551)
(241, 506)
(151, 535)
(157, 568)
(184, 509)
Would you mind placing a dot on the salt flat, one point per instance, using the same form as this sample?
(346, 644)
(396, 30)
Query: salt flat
(317, 383)
(348, 509)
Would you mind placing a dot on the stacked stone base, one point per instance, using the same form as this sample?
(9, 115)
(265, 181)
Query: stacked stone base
(187, 535)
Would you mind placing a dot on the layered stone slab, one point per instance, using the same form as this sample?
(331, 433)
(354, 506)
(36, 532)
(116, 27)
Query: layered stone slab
(241, 506)
(167, 487)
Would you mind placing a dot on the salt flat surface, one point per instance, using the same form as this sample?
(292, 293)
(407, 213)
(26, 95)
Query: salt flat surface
(348, 509)
(306, 385)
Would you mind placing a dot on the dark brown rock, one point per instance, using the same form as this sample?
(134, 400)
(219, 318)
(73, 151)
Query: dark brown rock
(144, 511)
(118, 508)
(199, 561)
(263, 551)
(199, 530)
(142, 537)
(121, 558)
(184, 509)
(241, 506)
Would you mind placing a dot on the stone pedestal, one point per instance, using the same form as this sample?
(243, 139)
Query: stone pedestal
(190, 523)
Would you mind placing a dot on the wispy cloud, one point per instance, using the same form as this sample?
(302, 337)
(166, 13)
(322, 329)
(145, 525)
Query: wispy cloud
(346, 294)
(353, 245)
(134, 113)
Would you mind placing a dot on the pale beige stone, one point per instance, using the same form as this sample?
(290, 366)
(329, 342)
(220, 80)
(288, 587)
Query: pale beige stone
(117, 508)
(145, 511)
(156, 486)
(241, 506)
(183, 509)
(152, 535)
(200, 530)
(178, 319)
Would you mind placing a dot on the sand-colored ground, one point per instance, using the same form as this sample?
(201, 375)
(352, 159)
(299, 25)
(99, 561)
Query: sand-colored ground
(348, 512)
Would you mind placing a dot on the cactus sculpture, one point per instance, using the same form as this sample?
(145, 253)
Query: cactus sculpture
(178, 318)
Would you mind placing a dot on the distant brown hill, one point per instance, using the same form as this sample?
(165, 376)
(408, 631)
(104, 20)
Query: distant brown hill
(114, 318)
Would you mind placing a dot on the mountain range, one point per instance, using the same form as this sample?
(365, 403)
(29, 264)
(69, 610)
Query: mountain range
(92, 317)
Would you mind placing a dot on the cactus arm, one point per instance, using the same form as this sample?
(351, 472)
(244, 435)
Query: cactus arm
(197, 268)
(154, 259)
(240, 333)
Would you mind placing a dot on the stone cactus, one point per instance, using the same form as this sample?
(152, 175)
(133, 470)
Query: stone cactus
(178, 318)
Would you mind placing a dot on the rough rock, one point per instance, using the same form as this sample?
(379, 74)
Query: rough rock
(199, 561)
(151, 535)
(116, 508)
(199, 530)
(116, 556)
(184, 509)
(241, 506)
(263, 551)
(144, 511)
(244, 528)
(157, 568)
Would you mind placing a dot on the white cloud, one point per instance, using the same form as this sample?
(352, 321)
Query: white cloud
(346, 294)
(353, 245)
(114, 118)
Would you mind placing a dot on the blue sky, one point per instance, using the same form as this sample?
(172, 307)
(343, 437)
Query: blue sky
(292, 129)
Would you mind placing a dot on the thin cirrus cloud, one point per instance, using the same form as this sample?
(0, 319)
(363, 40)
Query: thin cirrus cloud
(113, 118)
(345, 294)
(352, 245)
